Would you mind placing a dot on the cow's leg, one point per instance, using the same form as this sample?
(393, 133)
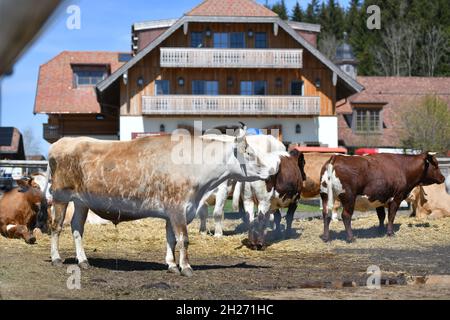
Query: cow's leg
(326, 218)
(179, 226)
(347, 213)
(221, 198)
(78, 220)
(249, 204)
(58, 215)
(290, 218)
(335, 213)
(277, 221)
(381, 216)
(249, 207)
(20, 232)
(171, 244)
(392, 211)
(203, 215)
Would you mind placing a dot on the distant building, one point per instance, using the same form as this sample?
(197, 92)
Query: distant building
(11, 144)
(369, 119)
(66, 93)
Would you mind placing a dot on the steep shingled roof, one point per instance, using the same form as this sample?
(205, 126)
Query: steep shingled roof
(393, 93)
(231, 8)
(55, 92)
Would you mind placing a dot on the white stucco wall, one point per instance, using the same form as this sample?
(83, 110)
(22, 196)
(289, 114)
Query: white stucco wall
(328, 131)
(317, 129)
(128, 125)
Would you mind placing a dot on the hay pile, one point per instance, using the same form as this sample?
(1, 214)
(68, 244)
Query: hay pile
(149, 235)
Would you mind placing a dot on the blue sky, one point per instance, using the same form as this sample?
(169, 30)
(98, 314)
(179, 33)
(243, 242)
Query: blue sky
(105, 25)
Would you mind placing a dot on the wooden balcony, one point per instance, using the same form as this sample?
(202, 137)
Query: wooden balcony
(231, 58)
(51, 133)
(231, 105)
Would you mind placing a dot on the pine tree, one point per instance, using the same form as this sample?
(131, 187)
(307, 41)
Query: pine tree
(312, 12)
(297, 13)
(281, 9)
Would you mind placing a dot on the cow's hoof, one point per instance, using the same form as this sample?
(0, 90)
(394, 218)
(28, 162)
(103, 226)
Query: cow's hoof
(351, 240)
(218, 235)
(84, 265)
(187, 272)
(325, 238)
(31, 240)
(173, 270)
(57, 263)
(390, 234)
(203, 233)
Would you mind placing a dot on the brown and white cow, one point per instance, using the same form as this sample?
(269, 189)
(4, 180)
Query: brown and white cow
(385, 180)
(20, 207)
(165, 177)
(282, 190)
(431, 202)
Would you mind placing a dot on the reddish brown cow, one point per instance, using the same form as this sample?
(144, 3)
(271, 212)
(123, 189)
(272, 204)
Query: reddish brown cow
(19, 208)
(385, 180)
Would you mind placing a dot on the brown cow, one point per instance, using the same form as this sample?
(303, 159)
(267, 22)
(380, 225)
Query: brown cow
(281, 190)
(385, 180)
(430, 201)
(19, 208)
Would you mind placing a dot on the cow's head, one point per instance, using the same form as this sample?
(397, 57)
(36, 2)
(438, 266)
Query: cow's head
(431, 173)
(300, 160)
(249, 163)
(257, 233)
(29, 185)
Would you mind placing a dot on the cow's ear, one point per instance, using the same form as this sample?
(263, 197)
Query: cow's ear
(24, 182)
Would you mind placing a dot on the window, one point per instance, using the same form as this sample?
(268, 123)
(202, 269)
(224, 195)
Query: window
(88, 75)
(260, 40)
(260, 88)
(201, 87)
(367, 121)
(297, 88)
(162, 87)
(196, 39)
(220, 40)
(249, 88)
(237, 40)
(246, 88)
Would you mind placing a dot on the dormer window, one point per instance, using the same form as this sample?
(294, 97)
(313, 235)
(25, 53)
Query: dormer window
(88, 75)
(367, 121)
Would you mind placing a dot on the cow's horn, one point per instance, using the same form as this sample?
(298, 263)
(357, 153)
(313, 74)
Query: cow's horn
(432, 153)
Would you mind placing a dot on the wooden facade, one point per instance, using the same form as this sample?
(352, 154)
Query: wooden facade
(62, 125)
(317, 77)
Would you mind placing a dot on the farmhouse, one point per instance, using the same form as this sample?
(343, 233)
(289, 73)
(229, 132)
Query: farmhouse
(370, 119)
(227, 61)
(65, 92)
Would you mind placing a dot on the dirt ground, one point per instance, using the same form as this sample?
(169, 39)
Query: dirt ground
(128, 263)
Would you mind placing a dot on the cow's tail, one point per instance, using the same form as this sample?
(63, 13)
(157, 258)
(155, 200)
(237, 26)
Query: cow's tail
(42, 217)
(330, 183)
(236, 196)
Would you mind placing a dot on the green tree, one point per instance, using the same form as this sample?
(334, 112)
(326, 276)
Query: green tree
(425, 126)
(312, 12)
(297, 13)
(281, 9)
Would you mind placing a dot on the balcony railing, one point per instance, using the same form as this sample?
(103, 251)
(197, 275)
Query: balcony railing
(231, 58)
(51, 132)
(230, 105)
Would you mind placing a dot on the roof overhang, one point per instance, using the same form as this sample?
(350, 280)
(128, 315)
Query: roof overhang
(346, 85)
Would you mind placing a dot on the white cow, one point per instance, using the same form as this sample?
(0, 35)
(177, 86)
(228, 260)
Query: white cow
(219, 196)
(166, 177)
